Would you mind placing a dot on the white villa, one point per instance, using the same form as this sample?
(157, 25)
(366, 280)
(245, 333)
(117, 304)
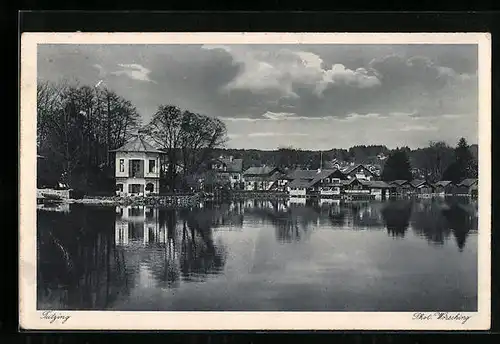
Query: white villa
(137, 170)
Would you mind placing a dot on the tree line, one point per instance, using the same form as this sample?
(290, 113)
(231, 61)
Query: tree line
(437, 163)
(77, 126)
(434, 162)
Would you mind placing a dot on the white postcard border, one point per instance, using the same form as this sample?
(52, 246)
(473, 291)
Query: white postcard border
(30, 318)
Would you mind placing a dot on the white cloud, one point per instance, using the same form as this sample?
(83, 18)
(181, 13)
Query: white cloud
(330, 132)
(417, 128)
(278, 115)
(338, 74)
(279, 71)
(134, 71)
(265, 134)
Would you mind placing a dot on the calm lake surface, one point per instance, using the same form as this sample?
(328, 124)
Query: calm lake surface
(261, 256)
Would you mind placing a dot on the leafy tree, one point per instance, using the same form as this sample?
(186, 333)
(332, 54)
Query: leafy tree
(397, 166)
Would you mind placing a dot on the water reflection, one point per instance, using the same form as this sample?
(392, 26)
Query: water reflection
(397, 216)
(90, 257)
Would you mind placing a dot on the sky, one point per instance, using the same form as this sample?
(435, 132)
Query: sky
(314, 97)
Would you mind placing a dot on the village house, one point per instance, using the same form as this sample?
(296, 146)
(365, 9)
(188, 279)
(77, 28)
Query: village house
(323, 183)
(300, 181)
(359, 171)
(263, 178)
(356, 188)
(297, 188)
(137, 168)
(229, 169)
(328, 183)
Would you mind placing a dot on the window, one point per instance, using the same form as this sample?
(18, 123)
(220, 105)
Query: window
(122, 165)
(152, 166)
(119, 187)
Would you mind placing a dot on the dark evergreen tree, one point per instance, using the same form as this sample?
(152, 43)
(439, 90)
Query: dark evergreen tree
(464, 166)
(397, 166)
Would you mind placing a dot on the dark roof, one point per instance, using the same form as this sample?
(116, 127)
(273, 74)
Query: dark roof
(399, 182)
(300, 183)
(322, 174)
(264, 170)
(303, 174)
(417, 182)
(375, 184)
(234, 165)
(468, 182)
(137, 144)
(350, 169)
(443, 183)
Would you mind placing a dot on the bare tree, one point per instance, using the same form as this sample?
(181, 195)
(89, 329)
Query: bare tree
(188, 139)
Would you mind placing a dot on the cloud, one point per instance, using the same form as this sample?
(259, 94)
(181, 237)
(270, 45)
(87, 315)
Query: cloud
(278, 115)
(391, 129)
(266, 134)
(340, 75)
(338, 94)
(417, 128)
(134, 71)
(284, 70)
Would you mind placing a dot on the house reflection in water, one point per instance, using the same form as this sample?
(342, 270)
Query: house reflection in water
(136, 223)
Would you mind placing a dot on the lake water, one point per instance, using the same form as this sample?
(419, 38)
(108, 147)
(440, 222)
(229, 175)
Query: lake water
(261, 256)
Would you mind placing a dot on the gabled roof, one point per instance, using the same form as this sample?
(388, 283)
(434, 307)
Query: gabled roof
(399, 182)
(233, 165)
(351, 169)
(300, 183)
(375, 184)
(417, 182)
(304, 174)
(264, 170)
(468, 182)
(137, 144)
(443, 183)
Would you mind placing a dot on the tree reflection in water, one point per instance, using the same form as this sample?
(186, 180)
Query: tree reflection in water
(428, 221)
(292, 221)
(461, 220)
(93, 256)
(436, 219)
(396, 216)
(78, 264)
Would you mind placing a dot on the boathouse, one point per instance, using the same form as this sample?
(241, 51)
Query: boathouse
(137, 168)
(422, 187)
(444, 188)
(470, 186)
(401, 187)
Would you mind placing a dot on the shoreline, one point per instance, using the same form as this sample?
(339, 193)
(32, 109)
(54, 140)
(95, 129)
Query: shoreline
(190, 200)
